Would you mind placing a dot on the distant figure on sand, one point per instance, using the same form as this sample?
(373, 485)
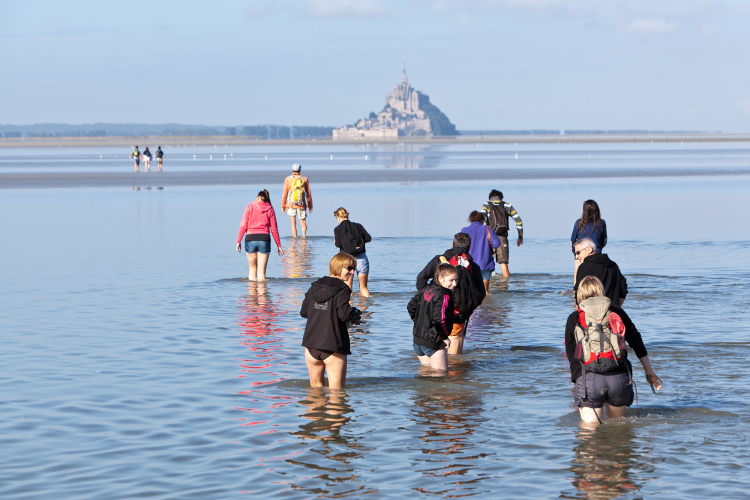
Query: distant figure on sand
(350, 237)
(159, 157)
(484, 242)
(296, 199)
(608, 272)
(496, 213)
(258, 220)
(591, 226)
(595, 337)
(147, 159)
(431, 310)
(468, 293)
(327, 310)
(136, 156)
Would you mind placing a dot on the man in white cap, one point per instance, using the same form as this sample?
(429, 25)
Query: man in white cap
(296, 199)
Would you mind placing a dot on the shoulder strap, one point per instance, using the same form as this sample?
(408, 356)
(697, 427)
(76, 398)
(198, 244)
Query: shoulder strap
(489, 238)
(443, 260)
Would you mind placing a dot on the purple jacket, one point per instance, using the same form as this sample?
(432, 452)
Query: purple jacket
(480, 249)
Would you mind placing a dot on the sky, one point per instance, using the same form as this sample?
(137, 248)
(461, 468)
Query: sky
(487, 64)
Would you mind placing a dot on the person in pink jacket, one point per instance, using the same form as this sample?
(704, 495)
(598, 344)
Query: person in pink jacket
(258, 223)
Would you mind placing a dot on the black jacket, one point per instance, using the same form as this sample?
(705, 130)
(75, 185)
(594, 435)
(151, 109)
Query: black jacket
(326, 307)
(599, 265)
(337, 235)
(632, 337)
(429, 271)
(431, 309)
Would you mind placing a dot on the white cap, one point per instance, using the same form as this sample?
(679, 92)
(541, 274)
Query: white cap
(296, 167)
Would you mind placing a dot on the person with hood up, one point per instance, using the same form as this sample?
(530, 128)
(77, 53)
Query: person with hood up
(327, 310)
(257, 222)
(468, 293)
(600, 265)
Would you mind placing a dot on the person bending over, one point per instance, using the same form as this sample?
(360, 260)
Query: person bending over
(431, 310)
(595, 337)
(327, 310)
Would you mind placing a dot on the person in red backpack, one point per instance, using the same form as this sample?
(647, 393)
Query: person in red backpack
(467, 295)
(613, 387)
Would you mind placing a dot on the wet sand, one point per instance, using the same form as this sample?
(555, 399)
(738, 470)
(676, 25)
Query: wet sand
(62, 142)
(213, 178)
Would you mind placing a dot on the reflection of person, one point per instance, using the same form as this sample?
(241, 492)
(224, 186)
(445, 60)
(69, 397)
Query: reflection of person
(591, 226)
(147, 159)
(258, 220)
(296, 198)
(350, 237)
(469, 291)
(484, 242)
(327, 310)
(587, 351)
(136, 156)
(600, 265)
(298, 259)
(327, 411)
(496, 212)
(431, 310)
(159, 157)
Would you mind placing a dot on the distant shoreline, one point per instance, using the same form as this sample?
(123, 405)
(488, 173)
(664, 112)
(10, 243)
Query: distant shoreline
(233, 140)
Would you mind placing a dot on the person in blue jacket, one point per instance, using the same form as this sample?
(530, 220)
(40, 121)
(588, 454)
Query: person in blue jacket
(484, 241)
(591, 226)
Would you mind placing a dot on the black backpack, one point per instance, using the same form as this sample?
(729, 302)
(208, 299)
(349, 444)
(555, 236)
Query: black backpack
(466, 297)
(498, 218)
(352, 238)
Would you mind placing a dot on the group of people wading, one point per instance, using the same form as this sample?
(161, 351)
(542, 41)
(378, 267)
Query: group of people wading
(451, 287)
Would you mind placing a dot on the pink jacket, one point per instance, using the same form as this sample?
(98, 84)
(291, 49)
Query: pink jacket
(259, 218)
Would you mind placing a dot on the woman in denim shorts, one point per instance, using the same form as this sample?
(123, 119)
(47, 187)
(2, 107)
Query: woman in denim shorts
(612, 389)
(258, 223)
(342, 235)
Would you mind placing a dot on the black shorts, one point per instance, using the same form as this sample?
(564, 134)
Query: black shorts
(615, 389)
(319, 355)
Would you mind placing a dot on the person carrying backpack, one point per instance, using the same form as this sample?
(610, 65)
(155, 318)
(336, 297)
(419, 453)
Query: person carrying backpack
(351, 237)
(595, 337)
(469, 291)
(296, 199)
(136, 157)
(159, 157)
(496, 213)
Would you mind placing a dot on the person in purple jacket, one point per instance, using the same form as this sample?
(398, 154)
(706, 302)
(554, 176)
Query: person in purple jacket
(484, 241)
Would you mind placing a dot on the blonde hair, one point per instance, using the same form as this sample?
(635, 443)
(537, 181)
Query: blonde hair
(590, 286)
(339, 262)
(341, 213)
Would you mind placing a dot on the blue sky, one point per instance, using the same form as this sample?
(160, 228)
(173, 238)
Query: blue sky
(493, 64)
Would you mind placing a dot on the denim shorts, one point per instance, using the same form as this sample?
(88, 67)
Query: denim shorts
(423, 350)
(486, 274)
(614, 389)
(363, 263)
(258, 246)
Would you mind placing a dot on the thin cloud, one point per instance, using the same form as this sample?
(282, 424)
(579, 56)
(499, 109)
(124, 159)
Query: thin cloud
(652, 26)
(346, 8)
(260, 9)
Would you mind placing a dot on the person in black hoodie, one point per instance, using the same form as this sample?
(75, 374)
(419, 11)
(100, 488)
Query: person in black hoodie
(431, 309)
(327, 310)
(468, 293)
(350, 237)
(600, 265)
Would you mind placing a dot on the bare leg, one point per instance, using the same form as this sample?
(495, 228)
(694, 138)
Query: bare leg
(425, 360)
(252, 263)
(505, 270)
(316, 368)
(262, 263)
(136, 167)
(439, 360)
(615, 411)
(363, 290)
(159, 166)
(336, 367)
(294, 226)
(457, 344)
(486, 286)
(303, 223)
(589, 415)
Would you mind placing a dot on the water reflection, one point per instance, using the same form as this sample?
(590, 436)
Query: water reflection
(447, 420)
(298, 258)
(607, 464)
(411, 156)
(327, 413)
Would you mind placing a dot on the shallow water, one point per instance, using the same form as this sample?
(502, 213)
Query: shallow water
(138, 362)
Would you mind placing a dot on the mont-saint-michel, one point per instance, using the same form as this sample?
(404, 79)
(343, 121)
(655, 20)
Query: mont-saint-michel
(407, 112)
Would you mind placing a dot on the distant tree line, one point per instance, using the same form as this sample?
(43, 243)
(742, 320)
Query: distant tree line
(169, 129)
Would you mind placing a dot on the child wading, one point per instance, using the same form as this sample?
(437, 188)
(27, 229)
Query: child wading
(431, 309)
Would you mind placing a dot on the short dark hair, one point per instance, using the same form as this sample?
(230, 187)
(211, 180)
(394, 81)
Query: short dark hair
(496, 194)
(461, 240)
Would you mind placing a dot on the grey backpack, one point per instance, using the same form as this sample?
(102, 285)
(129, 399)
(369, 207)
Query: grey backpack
(600, 336)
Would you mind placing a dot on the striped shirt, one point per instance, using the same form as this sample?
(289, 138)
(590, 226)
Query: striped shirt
(508, 210)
